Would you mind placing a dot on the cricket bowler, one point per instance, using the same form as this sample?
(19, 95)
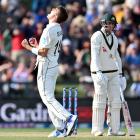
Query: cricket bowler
(47, 60)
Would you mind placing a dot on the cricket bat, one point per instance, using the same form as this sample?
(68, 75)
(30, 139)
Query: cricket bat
(125, 110)
(126, 115)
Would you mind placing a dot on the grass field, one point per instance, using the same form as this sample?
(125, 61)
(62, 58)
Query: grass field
(41, 134)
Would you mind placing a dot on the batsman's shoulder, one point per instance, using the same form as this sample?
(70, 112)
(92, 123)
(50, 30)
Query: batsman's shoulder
(96, 34)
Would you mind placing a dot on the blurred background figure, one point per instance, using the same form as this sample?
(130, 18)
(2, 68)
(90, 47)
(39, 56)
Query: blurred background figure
(132, 61)
(5, 75)
(66, 59)
(22, 75)
(16, 49)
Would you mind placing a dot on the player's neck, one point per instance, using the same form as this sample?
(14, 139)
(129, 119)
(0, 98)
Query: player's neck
(107, 32)
(52, 20)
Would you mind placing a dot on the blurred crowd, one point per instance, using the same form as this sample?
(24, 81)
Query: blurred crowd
(21, 19)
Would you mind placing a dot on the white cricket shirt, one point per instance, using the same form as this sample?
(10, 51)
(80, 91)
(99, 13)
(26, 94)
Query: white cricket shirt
(51, 38)
(101, 54)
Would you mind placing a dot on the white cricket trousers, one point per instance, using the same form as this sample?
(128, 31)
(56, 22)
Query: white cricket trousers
(111, 90)
(46, 81)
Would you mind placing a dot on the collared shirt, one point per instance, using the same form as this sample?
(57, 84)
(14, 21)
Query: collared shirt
(102, 55)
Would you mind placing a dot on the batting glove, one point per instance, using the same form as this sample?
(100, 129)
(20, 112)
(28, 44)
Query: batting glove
(123, 82)
(100, 77)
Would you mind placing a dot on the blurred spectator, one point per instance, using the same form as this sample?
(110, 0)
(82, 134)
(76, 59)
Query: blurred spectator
(3, 16)
(92, 15)
(90, 4)
(20, 13)
(83, 60)
(17, 50)
(1, 43)
(40, 17)
(131, 38)
(20, 78)
(133, 54)
(121, 41)
(38, 30)
(27, 26)
(7, 34)
(77, 31)
(96, 9)
(118, 11)
(131, 3)
(66, 59)
(133, 65)
(137, 8)
(135, 89)
(10, 4)
(79, 22)
(40, 4)
(104, 6)
(5, 74)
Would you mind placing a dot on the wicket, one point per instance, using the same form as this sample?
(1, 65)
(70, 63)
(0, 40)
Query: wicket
(69, 94)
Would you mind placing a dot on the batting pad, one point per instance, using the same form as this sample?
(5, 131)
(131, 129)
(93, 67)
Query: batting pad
(115, 118)
(97, 120)
(98, 115)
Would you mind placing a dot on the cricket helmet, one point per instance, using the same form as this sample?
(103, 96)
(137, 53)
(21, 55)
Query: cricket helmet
(108, 18)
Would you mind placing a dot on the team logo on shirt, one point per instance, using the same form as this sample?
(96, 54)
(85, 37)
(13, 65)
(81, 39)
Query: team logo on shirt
(43, 40)
(104, 49)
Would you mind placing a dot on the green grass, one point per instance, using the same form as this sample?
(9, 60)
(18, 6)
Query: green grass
(41, 134)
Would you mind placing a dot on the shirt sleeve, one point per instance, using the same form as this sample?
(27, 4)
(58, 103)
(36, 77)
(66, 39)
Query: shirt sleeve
(95, 51)
(118, 58)
(46, 39)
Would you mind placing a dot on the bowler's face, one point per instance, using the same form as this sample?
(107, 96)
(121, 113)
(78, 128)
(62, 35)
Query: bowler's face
(53, 13)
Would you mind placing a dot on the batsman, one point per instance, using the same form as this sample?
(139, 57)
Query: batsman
(107, 78)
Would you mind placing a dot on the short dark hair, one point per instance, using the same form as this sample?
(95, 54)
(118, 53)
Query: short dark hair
(62, 15)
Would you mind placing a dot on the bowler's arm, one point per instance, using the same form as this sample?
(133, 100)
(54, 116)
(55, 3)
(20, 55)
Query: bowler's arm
(42, 51)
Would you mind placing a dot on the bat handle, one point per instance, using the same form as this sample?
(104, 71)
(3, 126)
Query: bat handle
(122, 96)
